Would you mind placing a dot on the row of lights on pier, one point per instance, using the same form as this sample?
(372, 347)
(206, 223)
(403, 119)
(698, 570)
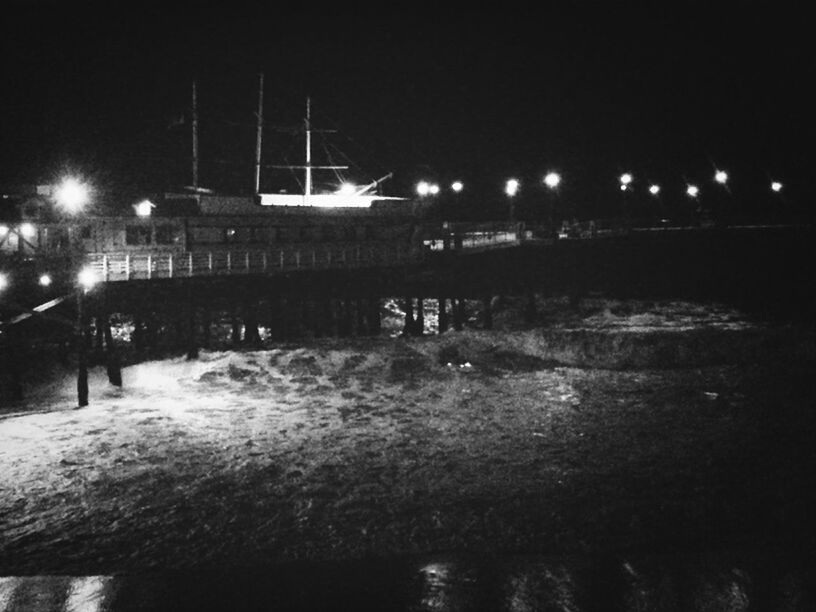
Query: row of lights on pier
(86, 279)
(553, 180)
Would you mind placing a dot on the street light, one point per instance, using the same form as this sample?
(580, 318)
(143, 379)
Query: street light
(511, 187)
(72, 195)
(721, 176)
(552, 180)
(654, 189)
(457, 186)
(433, 189)
(423, 188)
(144, 208)
(45, 280)
(625, 180)
(692, 191)
(776, 186)
(87, 278)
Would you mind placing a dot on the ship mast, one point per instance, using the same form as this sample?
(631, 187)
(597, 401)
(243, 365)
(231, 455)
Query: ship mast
(308, 167)
(308, 192)
(259, 135)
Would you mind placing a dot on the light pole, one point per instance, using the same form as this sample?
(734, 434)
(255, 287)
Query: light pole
(552, 180)
(511, 188)
(654, 191)
(721, 177)
(86, 279)
(625, 182)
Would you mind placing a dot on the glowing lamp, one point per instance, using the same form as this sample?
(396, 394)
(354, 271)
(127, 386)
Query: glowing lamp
(423, 188)
(552, 180)
(87, 278)
(511, 187)
(721, 176)
(144, 208)
(347, 189)
(72, 195)
(457, 186)
(692, 191)
(45, 280)
(27, 230)
(625, 178)
(433, 189)
(654, 189)
(775, 186)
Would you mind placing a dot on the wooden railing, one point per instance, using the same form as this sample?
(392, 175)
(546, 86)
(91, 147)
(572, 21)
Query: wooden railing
(112, 267)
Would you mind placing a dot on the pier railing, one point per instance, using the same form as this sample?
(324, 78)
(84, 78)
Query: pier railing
(126, 266)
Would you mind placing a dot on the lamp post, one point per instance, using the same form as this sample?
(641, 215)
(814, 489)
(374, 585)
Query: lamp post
(625, 180)
(86, 279)
(721, 177)
(654, 191)
(552, 180)
(511, 188)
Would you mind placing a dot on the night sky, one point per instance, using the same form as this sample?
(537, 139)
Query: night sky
(667, 91)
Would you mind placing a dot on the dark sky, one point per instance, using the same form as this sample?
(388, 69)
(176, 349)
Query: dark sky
(665, 90)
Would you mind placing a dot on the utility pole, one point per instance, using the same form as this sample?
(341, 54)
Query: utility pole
(259, 134)
(195, 137)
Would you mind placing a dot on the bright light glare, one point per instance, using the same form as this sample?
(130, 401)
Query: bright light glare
(692, 191)
(347, 189)
(45, 280)
(775, 186)
(72, 195)
(3, 281)
(457, 186)
(144, 208)
(623, 187)
(87, 278)
(552, 180)
(423, 188)
(654, 189)
(511, 187)
(3, 230)
(433, 189)
(721, 176)
(625, 178)
(27, 230)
